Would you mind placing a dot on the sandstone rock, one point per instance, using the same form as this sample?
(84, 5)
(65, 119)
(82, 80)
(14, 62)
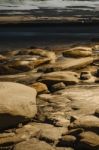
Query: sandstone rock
(85, 75)
(78, 52)
(67, 64)
(87, 122)
(82, 97)
(27, 77)
(67, 77)
(96, 47)
(64, 148)
(59, 121)
(67, 140)
(97, 74)
(22, 134)
(54, 108)
(97, 112)
(26, 65)
(40, 87)
(2, 58)
(58, 86)
(6, 70)
(73, 101)
(17, 104)
(75, 132)
(22, 65)
(33, 144)
(89, 140)
(49, 133)
(44, 53)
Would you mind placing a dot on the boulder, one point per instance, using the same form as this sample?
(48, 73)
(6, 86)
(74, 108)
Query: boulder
(78, 52)
(17, 104)
(89, 140)
(6, 70)
(87, 122)
(2, 58)
(85, 75)
(54, 108)
(18, 135)
(57, 86)
(67, 140)
(44, 53)
(49, 133)
(82, 97)
(40, 87)
(33, 144)
(97, 112)
(27, 65)
(67, 77)
(66, 64)
(26, 77)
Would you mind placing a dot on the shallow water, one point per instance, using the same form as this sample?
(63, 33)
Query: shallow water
(18, 6)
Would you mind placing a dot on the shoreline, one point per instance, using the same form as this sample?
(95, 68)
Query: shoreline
(29, 19)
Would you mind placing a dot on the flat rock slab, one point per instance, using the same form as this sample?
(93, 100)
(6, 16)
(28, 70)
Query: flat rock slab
(89, 140)
(73, 102)
(17, 103)
(67, 77)
(77, 52)
(72, 63)
(33, 144)
(84, 99)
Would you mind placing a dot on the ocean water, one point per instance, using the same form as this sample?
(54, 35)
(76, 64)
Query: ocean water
(24, 6)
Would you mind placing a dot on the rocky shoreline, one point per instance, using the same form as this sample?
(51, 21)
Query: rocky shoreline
(49, 99)
(33, 19)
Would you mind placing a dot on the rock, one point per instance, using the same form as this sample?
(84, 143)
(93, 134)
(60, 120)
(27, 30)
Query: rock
(26, 65)
(48, 132)
(67, 77)
(57, 86)
(22, 134)
(3, 58)
(67, 64)
(22, 65)
(87, 122)
(40, 87)
(97, 74)
(26, 78)
(6, 70)
(82, 97)
(78, 52)
(53, 109)
(91, 68)
(67, 140)
(17, 104)
(72, 101)
(33, 144)
(89, 140)
(75, 132)
(58, 119)
(64, 148)
(96, 48)
(97, 112)
(44, 53)
(85, 75)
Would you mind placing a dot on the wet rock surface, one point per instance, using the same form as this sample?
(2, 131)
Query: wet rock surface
(56, 106)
